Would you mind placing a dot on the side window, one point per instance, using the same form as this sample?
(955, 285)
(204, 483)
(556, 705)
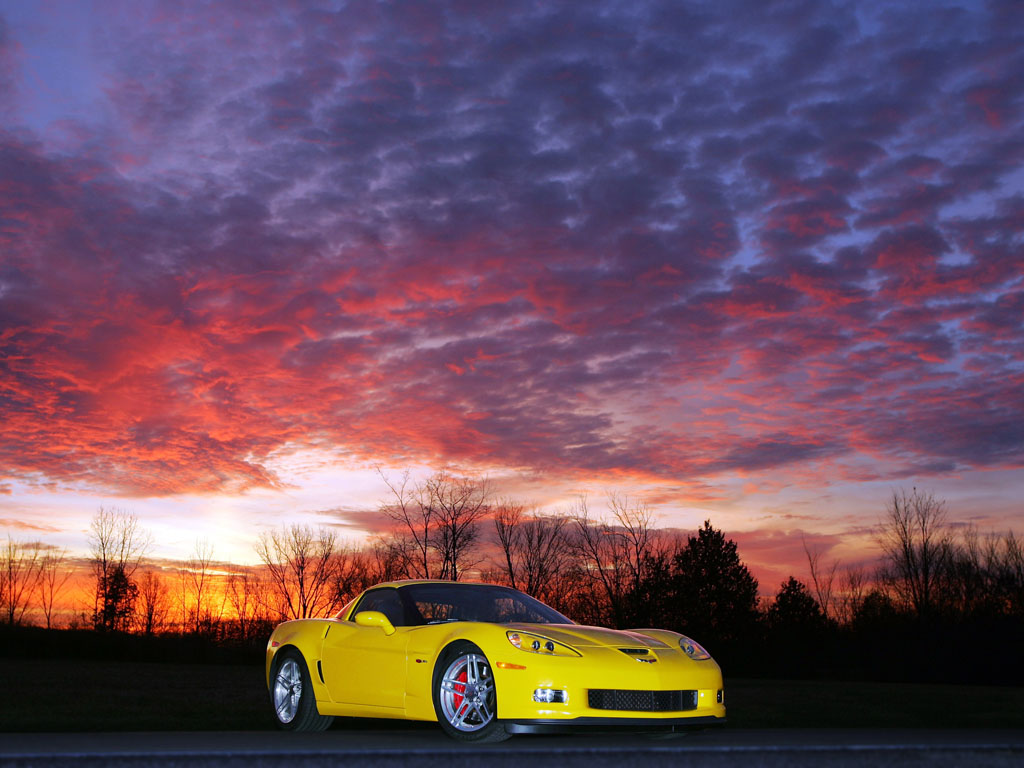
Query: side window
(387, 602)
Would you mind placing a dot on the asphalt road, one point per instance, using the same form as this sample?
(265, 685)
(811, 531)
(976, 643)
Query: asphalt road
(425, 747)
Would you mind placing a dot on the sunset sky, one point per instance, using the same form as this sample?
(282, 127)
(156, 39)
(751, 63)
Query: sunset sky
(758, 262)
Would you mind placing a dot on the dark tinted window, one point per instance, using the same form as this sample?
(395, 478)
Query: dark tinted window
(387, 602)
(433, 603)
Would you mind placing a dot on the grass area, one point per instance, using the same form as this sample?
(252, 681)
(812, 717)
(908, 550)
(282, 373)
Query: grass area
(850, 704)
(89, 695)
(97, 695)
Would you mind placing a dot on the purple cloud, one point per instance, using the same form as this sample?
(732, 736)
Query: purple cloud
(662, 241)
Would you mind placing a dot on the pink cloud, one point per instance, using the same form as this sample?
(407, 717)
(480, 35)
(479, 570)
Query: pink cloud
(544, 254)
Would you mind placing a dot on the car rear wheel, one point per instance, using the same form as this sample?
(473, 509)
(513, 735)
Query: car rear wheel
(291, 694)
(465, 699)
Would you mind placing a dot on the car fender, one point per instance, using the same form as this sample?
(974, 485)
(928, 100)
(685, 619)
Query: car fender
(306, 636)
(426, 649)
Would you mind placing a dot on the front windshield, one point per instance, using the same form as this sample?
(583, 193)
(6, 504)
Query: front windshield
(435, 603)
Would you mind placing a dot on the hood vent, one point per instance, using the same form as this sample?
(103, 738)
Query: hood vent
(635, 651)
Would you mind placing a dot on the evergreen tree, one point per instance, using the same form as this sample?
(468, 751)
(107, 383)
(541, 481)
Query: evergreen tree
(650, 602)
(795, 610)
(713, 594)
(117, 604)
(876, 610)
(797, 633)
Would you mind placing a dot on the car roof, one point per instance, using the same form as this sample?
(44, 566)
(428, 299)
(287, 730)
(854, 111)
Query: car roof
(407, 582)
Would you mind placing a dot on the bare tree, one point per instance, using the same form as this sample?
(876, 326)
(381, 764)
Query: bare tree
(917, 544)
(268, 605)
(635, 519)
(985, 575)
(247, 603)
(822, 579)
(353, 572)
(181, 601)
(301, 566)
(20, 570)
(198, 578)
(1010, 574)
(508, 519)
(117, 546)
(53, 577)
(437, 523)
(153, 604)
(458, 504)
(855, 581)
(536, 551)
(549, 570)
(597, 547)
(615, 554)
(385, 561)
(411, 543)
(969, 583)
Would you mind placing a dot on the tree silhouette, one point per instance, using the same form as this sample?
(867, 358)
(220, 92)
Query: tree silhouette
(797, 633)
(118, 605)
(876, 610)
(301, 565)
(795, 610)
(53, 577)
(197, 575)
(20, 569)
(117, 545)
(536, 552)
(918, 546)
(436, 523)
(152, 605)
(714, 595)
(459, 504)
(612, 555)
(651, 602)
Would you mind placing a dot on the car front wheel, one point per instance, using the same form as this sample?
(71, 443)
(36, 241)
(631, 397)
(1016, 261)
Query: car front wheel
(291, 693)
(465, 699)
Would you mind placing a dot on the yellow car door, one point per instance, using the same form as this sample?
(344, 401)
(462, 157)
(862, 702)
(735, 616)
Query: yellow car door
(366, 664)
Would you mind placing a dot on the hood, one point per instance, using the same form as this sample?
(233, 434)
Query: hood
(579, 636)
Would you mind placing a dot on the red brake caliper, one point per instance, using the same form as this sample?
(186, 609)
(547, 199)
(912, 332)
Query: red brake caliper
(456, 698)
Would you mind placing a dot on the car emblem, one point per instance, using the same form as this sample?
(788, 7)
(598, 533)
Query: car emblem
(645, 661)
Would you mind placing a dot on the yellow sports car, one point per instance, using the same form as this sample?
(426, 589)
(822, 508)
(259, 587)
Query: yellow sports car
(485, 662)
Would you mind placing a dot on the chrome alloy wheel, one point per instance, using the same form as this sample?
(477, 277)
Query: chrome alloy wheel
(467, 693)
(287, 690)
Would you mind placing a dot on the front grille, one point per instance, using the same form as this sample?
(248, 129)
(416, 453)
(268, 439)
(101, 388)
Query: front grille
(642, 701)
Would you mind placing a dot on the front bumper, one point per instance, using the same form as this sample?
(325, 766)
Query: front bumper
(612, 723)
(607, 669)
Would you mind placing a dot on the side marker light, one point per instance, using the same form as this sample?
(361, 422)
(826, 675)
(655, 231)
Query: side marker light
(508, 665)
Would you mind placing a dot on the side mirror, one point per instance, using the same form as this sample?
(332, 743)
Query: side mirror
(375, 619)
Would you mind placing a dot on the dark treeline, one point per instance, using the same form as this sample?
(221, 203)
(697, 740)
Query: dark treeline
(944, 603)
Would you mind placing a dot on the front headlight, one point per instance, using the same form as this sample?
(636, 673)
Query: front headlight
(693, 649)
(525, 641)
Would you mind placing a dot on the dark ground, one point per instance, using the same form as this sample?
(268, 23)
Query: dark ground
(405, 747)
(100, 695)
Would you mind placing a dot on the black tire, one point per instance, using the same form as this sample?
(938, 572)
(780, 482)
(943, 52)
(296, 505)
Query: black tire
(291, 695)
(465, 698)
